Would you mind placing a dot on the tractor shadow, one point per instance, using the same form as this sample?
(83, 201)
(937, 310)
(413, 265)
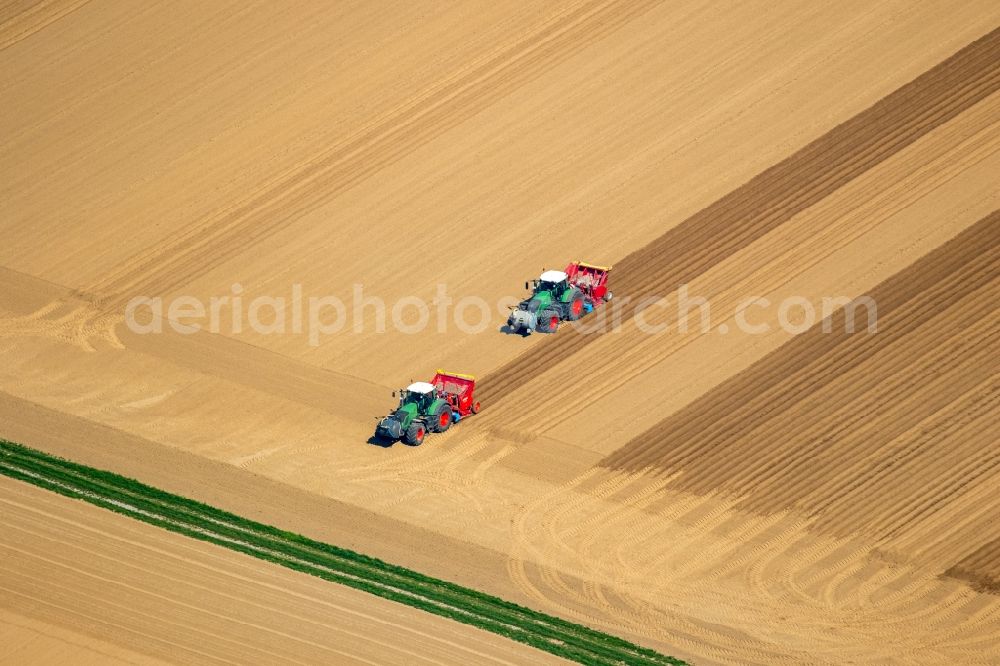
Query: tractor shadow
(381, 442)
(507, 330)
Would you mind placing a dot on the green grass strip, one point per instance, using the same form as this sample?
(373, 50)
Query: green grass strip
(129, 497)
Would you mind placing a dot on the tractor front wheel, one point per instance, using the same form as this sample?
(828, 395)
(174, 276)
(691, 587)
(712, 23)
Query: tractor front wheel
(548, 321)
(442, 419)
(476, 407)
(415, 434)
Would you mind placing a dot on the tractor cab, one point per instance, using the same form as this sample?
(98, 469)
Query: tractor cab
(547, 289)
(420, 394)
(555, 282)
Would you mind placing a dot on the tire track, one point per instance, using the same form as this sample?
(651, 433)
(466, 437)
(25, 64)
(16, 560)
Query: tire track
(779, 193)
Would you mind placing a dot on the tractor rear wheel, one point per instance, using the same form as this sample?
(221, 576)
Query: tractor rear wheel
(476, 407)
(574, 308)
(548, 321)
(442, 419)
(415, 434)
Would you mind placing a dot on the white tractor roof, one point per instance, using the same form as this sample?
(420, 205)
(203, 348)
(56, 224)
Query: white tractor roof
(553, 276)
(420, 387)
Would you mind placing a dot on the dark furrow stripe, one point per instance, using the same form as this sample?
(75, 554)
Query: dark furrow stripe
(821, 356)
(776, 195)
(741, 436)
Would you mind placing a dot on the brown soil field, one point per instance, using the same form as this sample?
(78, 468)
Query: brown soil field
(28, 640)
(171, 598)
(720, 496)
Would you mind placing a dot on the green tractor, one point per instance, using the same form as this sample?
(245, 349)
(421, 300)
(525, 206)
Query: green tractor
(560, 296)
(430, 407)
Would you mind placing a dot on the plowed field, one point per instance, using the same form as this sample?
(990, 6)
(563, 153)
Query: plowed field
(795, 494)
